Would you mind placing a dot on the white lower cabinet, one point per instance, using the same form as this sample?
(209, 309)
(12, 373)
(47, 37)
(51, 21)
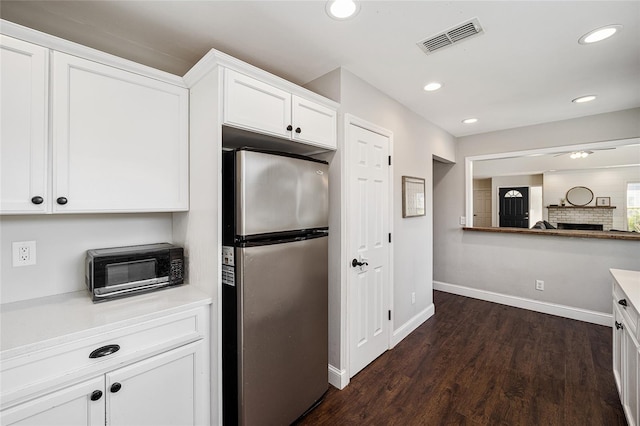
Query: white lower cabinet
(626, 353)
(141, 372)
(162, 390)
(74, 405)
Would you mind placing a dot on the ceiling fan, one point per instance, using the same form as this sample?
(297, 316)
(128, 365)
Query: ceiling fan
(582, 153)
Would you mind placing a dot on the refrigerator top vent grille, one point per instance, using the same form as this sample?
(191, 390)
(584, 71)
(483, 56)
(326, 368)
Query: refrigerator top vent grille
(449, 37)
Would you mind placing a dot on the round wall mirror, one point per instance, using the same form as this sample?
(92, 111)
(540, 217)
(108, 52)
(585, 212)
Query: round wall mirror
(579, 196)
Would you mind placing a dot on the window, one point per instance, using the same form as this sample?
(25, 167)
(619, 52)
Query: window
(633, 206)
(513, 194)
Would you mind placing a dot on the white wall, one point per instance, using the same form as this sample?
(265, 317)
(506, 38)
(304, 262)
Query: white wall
(575, 270)
(602, 182)
(416, 143)
(61, 244)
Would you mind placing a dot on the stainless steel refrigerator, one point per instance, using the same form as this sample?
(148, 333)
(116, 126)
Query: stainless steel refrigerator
(274, 295)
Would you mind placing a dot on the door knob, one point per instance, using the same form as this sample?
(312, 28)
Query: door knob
(622, 302)
(96, 395)
(355, 263)
(115, 387)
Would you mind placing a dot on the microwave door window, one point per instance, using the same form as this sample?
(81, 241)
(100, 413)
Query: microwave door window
(129, 272)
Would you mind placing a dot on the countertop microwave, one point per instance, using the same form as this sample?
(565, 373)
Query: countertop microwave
(125, 271)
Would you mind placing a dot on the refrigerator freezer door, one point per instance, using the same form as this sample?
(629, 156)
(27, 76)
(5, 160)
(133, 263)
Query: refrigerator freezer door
(278, 193)
(283, 330)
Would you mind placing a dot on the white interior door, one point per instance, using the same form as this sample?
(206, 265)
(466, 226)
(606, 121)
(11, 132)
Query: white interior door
(482, 207)
(368, 227)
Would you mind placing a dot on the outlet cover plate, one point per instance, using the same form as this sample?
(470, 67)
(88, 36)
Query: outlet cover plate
(24, 253)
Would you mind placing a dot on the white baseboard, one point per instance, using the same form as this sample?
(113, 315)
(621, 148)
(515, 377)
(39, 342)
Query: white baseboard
(338, 378)
(585, 315)
(406, 328)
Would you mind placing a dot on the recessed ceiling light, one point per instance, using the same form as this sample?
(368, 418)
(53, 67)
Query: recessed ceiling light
(342, 9)
(470, 120)
(580, 154)
(432, 86)
(599, 34)
(583, 99)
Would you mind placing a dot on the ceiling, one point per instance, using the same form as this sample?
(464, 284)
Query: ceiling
(525, 69)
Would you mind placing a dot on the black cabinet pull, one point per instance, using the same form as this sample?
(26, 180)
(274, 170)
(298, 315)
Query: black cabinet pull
(298, 130)
(289, 128)
(96, 395)
(622, 302)
(619, 325)
(104, 351)
(37, 200)
(116, 387)
(62, 201)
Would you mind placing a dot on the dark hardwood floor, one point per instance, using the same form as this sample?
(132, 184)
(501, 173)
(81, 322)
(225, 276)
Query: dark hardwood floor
(481, 363)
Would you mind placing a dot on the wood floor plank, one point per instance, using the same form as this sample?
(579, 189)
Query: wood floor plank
(480, 363)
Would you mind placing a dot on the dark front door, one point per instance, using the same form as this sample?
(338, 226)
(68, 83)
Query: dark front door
(514, 207)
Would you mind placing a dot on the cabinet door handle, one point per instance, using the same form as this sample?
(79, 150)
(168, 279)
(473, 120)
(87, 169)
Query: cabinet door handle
(619, 326)
(298, 130)
(104, 351)
(622, 302)
(289, 128)
(37, 200)
(62, 201)
(116, 387)
(96, 395)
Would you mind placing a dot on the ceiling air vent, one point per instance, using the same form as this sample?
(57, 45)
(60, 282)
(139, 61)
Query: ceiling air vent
(451, 36)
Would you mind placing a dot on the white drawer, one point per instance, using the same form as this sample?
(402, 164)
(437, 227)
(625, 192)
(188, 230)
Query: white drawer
(58, 364)
(629, 312)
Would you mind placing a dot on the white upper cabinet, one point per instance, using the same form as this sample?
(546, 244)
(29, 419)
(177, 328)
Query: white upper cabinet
(252, 104)
(23, 127)
(120, 140)
(314, 123)
(255, 105)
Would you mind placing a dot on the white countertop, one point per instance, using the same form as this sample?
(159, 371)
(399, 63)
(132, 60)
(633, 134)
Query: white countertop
(629, 281)
(32, 324)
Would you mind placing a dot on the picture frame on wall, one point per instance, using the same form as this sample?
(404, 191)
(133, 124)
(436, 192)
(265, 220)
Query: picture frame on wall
(603, 201)
(413, 197)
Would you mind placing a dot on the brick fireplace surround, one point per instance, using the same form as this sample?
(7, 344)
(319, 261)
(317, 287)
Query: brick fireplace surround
(592, 215)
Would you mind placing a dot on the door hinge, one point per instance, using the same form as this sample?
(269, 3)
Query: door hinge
(389, 314)
(389, 236)
(389, 160)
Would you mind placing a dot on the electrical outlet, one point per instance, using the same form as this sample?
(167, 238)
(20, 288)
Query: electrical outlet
(539, 285)
(413, 298)
(463, 220)
(24, 253)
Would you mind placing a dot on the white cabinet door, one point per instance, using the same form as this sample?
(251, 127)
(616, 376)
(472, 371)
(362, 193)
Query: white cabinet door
(167, 389)
(618, 338)
(314, 123)
(120, 140)
(23, 127)
(630, 394)
(79, 405)
(255, 105)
